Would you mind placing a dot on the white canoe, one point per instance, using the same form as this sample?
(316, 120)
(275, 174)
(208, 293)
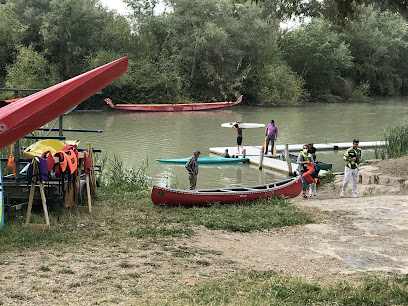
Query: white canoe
(244, 125)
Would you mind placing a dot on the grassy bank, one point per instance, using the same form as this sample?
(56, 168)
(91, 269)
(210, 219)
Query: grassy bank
(119, 216)
(128, 251)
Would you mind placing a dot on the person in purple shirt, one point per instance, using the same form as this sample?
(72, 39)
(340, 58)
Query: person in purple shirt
(271, 134)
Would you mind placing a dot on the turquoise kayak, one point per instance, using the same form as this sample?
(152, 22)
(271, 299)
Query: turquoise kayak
(206, 160)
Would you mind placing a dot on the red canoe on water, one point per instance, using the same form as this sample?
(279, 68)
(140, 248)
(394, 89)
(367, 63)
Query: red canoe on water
(171, 107)
(172, 197)
(19, 119)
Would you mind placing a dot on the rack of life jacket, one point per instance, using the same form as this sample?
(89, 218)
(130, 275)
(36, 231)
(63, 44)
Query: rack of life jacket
(67, 176)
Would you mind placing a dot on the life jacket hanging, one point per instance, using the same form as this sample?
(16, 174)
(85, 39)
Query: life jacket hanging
(50, 160)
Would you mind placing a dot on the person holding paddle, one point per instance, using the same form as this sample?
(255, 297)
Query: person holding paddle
(271, 133)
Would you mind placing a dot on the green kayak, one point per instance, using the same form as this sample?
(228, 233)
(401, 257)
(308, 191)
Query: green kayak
(206, 160)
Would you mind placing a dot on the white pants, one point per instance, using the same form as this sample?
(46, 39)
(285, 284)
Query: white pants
(348, 173)
(312, 189)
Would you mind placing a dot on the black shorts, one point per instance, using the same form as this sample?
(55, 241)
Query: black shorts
(239, 140)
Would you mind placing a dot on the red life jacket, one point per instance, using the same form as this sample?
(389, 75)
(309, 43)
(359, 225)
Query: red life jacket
(87, 163)
(307, 174)
(50, 160)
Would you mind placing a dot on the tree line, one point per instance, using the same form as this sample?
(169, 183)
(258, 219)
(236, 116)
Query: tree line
(211, 50)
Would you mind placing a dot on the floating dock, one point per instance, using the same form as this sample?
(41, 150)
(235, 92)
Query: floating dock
(276, 163)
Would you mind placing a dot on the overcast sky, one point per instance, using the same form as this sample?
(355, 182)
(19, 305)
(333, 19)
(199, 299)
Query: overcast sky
(117, 5)
(121, 8)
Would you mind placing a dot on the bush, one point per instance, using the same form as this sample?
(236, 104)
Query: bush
(279, 85)
(396, 139)
(360, 93)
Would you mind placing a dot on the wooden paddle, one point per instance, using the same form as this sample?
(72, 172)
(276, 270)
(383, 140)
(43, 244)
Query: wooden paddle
(274, 149)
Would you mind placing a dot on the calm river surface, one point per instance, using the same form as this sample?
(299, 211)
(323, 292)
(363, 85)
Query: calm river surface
(139, 138)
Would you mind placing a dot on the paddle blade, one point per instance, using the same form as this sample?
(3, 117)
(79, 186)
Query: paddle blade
(274, 150)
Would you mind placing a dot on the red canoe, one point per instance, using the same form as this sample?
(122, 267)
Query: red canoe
(171, 107)
(172, 197)
(32, 112)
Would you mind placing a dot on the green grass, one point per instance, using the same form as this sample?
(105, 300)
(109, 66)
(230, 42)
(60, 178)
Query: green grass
(396, 138)
(124, 215)
(328, 178)
(270, 288)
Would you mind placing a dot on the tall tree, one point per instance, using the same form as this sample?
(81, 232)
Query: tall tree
(31, 70)
(378, 41)
(11, 33)
(71, 31)
(319, 55)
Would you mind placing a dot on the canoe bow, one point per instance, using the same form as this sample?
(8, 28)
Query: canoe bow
(32, 112)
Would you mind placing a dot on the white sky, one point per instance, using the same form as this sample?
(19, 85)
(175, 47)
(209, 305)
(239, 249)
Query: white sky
(121, 8)
(117, 5)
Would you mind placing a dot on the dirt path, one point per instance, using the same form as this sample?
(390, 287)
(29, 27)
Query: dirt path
(367, 234)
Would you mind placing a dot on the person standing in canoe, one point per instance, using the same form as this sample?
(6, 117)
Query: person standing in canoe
(271, 134)
(239, 136)
(192, 168)
(353, 158)
(304, 159)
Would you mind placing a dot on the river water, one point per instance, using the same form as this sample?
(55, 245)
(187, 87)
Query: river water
(140, 138)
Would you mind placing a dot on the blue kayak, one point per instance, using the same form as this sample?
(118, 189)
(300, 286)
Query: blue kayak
(206, 160)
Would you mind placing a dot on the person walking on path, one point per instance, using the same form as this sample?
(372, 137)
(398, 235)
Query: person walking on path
(353, 158)
(192, 168)
(271, 133)
(304, 159)
(239, 136)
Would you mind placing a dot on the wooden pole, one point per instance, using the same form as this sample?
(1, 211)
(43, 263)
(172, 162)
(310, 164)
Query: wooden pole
(44, 204)
(288, 159)
(88, 192)
(261, 156)
(92, 176)
(31, 196)
(43, 200)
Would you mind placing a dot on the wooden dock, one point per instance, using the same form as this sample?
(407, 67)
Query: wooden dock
(276, 163)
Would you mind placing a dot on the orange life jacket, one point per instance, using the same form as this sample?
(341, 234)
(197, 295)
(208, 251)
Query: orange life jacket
(72, 160)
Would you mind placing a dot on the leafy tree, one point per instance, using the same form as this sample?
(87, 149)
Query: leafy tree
(31, 15)
(319, 55)
(71, 31)
(31, 70)
(279, 85)
(378, 45)
(11, 32)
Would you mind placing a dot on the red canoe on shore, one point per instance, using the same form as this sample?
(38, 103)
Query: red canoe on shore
(171, 107)
(172, 197)
(32, 112)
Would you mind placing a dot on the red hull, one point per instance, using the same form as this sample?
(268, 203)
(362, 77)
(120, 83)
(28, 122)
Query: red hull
(188, 198)
(173, 107)
(32, 112)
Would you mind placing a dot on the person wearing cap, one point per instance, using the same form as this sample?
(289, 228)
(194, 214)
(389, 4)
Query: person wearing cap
(192, 168)
(353, 158)
(271, 133)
